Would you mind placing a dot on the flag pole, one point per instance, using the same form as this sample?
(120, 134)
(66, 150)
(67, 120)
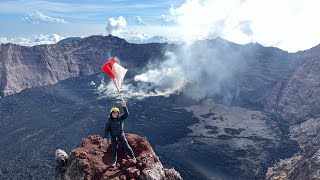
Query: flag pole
(118, 91)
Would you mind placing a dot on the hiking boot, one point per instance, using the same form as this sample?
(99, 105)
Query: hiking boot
(113, 164)
(134, 158)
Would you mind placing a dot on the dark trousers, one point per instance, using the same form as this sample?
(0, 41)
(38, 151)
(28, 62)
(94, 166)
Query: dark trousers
(123, 140)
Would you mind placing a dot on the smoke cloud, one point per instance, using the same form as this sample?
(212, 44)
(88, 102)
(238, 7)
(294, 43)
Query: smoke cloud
(198, 70)
(201, 69)
(116, 25)
(207, 68)
(159, 80)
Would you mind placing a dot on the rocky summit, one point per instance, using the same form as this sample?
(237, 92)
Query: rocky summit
(93, 158)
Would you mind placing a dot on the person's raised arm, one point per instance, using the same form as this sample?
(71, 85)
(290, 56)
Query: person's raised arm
(126, 112)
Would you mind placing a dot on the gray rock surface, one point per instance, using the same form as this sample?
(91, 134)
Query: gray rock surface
(308, 133)
(306, 164)
(231, 142)
(156, 171)
(297, 97)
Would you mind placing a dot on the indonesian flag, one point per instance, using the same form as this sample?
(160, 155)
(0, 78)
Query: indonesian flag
(115, 71)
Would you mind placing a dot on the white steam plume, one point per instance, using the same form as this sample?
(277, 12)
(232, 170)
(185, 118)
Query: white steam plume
(139, 91)
(196, 71)
(160, 81)
(116, 25)
(272, 23)
(167, 75)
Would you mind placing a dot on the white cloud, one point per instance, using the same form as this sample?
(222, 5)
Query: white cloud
(169, 17)
(116, 25)
(35, 40)
(3, 40)
(153, 39)
(133, 35)
(47, 39)
(197, 71)
(38, 17)
(149, 33)
(138, 20)
(289, 25)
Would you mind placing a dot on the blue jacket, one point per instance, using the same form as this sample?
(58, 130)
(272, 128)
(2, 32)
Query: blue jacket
(115, 126)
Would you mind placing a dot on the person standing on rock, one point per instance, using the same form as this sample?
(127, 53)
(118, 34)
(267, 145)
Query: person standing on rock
(114, 126)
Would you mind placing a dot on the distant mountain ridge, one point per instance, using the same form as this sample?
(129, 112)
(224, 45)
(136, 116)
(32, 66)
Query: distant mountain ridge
(268, 69)
(26, 67)
(69, 40)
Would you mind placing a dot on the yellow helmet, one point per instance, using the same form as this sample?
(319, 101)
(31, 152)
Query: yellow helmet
(115, 109)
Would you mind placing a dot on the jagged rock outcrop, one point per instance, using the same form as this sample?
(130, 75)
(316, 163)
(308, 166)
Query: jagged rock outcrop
(92, 161)
(299, 167)
(297, 97)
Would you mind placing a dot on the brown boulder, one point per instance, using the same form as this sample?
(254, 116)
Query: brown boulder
(92, 161)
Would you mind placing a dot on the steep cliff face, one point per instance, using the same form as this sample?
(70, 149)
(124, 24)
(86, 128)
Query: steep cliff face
(26, 67)
(92, 161)
(297, 97)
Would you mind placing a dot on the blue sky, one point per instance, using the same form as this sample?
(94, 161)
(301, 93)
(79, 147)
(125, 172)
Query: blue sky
(290, 25)
(85, 11)
(80, 16)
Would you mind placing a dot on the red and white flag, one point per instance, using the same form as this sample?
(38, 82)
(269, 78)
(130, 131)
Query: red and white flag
(115, 71)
